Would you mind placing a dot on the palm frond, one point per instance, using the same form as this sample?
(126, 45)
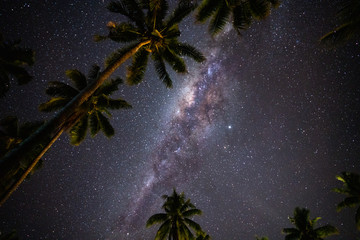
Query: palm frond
(348, 202)
(20, 73)
(105, 125)
(163, 230)
(175, 62)
(193, 225)
(219, 20)
(192, 212)
(292, 237)
(260, 9)
(94, 124)
(357, 218)
(180, 12)
(93, 73)
(136, 71)
(326, 231)
(123, 32)
(118, 104)
(53, 104)
(130, 9)
(241, 16)
(28, 128)
(78, 78)
(157, 12)
(206, 9)
(78, 131)
(184, 49)
(161, 70)
(156, 218)
(59, 89)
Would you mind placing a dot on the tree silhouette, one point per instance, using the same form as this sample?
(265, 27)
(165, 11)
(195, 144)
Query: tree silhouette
(162, 33)
(305, 228)
(12, 61)
(11, 135)
(175, 222)
(159, 37)
(242, 13)
(90, 115)
(351, 188)
(349, 18)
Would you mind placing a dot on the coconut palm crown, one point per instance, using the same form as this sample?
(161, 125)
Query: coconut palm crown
(305, 227)
(147, 22)
(91, 113)
(351, 188)
(239, 12)
(175, 222)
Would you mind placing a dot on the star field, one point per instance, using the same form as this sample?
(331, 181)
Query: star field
(261, 127)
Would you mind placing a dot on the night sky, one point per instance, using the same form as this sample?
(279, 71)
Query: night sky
(261, 127)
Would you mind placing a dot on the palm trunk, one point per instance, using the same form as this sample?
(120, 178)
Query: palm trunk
(56, 125)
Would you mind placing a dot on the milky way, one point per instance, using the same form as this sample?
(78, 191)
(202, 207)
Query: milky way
(177, 156)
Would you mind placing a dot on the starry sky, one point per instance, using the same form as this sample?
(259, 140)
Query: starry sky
(261, 127)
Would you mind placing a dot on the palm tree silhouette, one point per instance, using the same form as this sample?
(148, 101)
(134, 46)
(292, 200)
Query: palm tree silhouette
(11, 135)
(12, 60)
(305, 228)
(175, 222)
(349, 17)
(158, 36)
(242, 11)
(351, 188)
(90, 115)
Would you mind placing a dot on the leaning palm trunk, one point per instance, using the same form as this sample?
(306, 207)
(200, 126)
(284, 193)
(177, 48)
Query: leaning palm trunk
(50, 130)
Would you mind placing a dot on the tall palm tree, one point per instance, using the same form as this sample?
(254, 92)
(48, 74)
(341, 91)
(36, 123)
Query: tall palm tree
(239, 12)
(351, 188)
(12, 61)
(175, 222)
(305, 228)
(349, 18)
(158, 36)
(90, 115)
(11, 135)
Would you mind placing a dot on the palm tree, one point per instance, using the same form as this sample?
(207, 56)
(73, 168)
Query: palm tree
(351, 188)
(12, 60)
(175, 222)
(11, 135)
(162, 36)
(305, 228)
(158, 36)
(91, 112)
(243, 12)
(203, 236)
(349, 17)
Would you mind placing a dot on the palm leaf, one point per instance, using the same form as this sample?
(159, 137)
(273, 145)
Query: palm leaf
(59, 89)
(184, 49)
(357, 218)
(163, 230)
(94, 124)
(348, 202)
(109, 87)
(123, 32)
(207, 9)
(193, 225)
(118, 104)
(28, 128)
(130, 9)
(78, 78)
(179, 14)
(105, 125)
(292, 237)
(78, 131)
(290, 231)
(136, 72)
(94, 72)
(219, 20)
(175, 62)
(156, 218)
(161, 70)
(242, 16)
(192, 212)
(53, 104)
(326, 231)
(260, 9)
(21, 75)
